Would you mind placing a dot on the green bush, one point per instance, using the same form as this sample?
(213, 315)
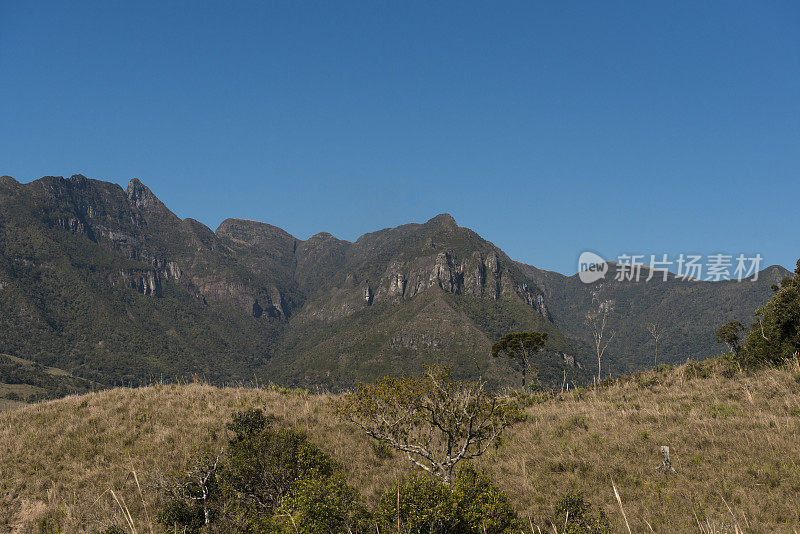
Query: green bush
(695, 369)
(192, 498)
(318, 504)
(271, 479)
(425, 506)
(262, 461)
(249, 423)
(472, 504)
(180, 516)
(775, 336)
(578, 517)
(483, 506)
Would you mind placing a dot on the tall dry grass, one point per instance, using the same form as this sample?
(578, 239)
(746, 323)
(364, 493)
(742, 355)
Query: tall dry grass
(82, 463)
(735, 444)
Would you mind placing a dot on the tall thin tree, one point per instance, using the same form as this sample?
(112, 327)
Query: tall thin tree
(597, 321)
(655, 332)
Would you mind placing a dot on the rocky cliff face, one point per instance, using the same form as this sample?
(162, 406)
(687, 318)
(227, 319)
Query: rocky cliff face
(478, 275)
(107, 281)
(327, 278)
(400, 263)
(162, 248)
(96, 234)
(140, 196)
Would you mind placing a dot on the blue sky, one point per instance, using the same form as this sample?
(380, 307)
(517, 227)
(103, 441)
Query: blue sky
(549, 128)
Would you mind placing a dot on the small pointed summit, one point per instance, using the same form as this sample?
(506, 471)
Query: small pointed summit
(444, 219)
(136, 183)
(322, 236)
(140, 194)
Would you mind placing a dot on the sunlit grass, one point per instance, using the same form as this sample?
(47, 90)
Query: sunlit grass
(72, 465)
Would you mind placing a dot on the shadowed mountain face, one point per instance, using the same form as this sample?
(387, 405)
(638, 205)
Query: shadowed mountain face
(109, 285)
(687, 313)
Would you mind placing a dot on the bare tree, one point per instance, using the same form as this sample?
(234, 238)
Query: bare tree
(655, 332)
(199, 485)
(596, 321)
(434, 419)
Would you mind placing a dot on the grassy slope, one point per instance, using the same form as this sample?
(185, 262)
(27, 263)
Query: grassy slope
(734, 443)
(432, 326)
(24, 380)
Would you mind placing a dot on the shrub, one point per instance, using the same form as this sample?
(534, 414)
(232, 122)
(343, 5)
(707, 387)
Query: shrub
(248, 423)
(483, 506)
(191, 500)
(318, 504)
(425, 505)
(180, 516)
(730, 334)
(472, 504)
(263, 461)
(578, 517)
(776, 334)
(695, 369)
(271, 479)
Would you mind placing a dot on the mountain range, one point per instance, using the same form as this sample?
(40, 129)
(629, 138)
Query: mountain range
(111, 287)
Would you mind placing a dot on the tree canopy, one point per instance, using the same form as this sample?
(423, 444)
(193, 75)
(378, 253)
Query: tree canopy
(730, 333)
(435, 420)
(775, 336)
(520, 346)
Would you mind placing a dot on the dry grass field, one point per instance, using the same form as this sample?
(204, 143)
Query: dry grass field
(75, 464)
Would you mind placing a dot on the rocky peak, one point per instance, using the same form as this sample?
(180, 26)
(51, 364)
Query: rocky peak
(78, 181)
(321, 236)
(140, 195)
(8, 181)
(254, 233)
(443, 219)
(201, 234)
(322, 243)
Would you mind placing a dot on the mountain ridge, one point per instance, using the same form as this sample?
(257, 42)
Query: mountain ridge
(111, 285)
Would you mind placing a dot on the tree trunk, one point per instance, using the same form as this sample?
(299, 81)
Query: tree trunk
(598, 370)
(447, 474)
(206, 511)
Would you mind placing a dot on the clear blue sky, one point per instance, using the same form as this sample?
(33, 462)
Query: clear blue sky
(549, 128)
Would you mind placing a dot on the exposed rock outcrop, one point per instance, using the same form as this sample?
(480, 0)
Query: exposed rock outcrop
(145, 282)
(140, 195)
(477, 275)
(368, 295)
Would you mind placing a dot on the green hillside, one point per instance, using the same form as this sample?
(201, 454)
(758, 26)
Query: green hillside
(109, 285)
(688, 313)
(431, 327)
